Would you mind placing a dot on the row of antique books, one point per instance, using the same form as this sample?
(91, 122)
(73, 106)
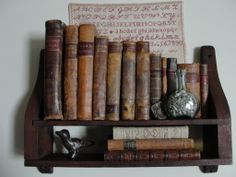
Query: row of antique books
(88, 77)
(151, 144)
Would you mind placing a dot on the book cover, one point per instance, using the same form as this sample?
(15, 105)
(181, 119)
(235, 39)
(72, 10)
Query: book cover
(128, 81)
(113, 80)
(53, 70)
(100, 77)
(85, 72)
(150, 144)
(70, 73)
(142, 100)
(150, 132)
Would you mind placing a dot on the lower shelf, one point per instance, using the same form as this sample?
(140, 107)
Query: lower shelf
(96, 160)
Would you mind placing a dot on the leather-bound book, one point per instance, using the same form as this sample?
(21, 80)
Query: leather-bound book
(166, 132)
(113, 80)
(204, 89)
(171, 75)
(193, 80)
(152, 155)
(164, 76)
(150, 144)
(142, 100)
(99, 77)
(155, 78)
(53, 70)
(128, 81)
(70, 73)
(85, 71)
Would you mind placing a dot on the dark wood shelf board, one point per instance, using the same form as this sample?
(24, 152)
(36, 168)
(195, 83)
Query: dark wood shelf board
(97, 161)
(131, 123)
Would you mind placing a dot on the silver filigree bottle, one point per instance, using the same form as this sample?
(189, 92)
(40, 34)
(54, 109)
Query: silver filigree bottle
(182, 103)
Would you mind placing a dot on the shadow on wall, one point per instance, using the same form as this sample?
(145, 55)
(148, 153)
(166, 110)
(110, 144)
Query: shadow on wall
(35, 44)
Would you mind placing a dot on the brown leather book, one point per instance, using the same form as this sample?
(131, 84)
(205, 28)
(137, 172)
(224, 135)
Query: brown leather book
(128, 81)
(155, 78)
(150, 144)
(85, 72)
(164, 76)
(171, 75)
(113, 80)
(152, 155)
(142, 102)
(192, 80)
(52, 70)
(70, 73)
(204, 89)
(99, 77)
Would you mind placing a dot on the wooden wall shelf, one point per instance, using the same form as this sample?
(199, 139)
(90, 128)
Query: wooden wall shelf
(216, 131)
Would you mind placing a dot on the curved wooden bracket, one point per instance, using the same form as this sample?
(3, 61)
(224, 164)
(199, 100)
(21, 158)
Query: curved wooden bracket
(208, 56)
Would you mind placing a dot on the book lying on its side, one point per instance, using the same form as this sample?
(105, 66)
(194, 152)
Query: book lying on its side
(149, 144)
(152, 155)
(150, 132)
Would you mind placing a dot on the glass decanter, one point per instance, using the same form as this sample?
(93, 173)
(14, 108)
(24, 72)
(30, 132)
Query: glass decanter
(182, 103)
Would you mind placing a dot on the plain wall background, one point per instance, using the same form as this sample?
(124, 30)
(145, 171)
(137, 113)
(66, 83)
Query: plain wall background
(206, 22)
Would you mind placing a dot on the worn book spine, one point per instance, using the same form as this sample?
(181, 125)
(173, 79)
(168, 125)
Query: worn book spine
(113, 80)
(148, 144)
(142, 100)
(128, 81)
(164, 77)
(99, 77)
(85, 72)
(53, 70)
(204, 89)
(152, 155)
(171, 75)
(193, 80)
(155, 78)
(150, 132)
(70, 73)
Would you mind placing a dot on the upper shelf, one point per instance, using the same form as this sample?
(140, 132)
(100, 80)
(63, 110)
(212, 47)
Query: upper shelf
(131, 123)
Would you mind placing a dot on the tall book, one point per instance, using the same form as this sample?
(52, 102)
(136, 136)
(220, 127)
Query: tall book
(150, 132)
(171, 75)
(113, 80)
(164, 76)
(85, 72)
(142, 102)
(99, 77)
(204, 89)
(192, 80)
(70, 73)
(150, 144)
(152, 155)
(53, 70)
(128, 81)
(155, 78)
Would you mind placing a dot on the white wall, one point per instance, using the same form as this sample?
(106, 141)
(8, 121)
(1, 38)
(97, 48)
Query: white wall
(207, 22)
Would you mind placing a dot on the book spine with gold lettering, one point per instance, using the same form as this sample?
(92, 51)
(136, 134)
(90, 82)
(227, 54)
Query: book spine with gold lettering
(193, 80)
(85, 72)
(99, 77)
(70, 73)
(113, 80)
(53, 70)
(128, 81)
(142, 100)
